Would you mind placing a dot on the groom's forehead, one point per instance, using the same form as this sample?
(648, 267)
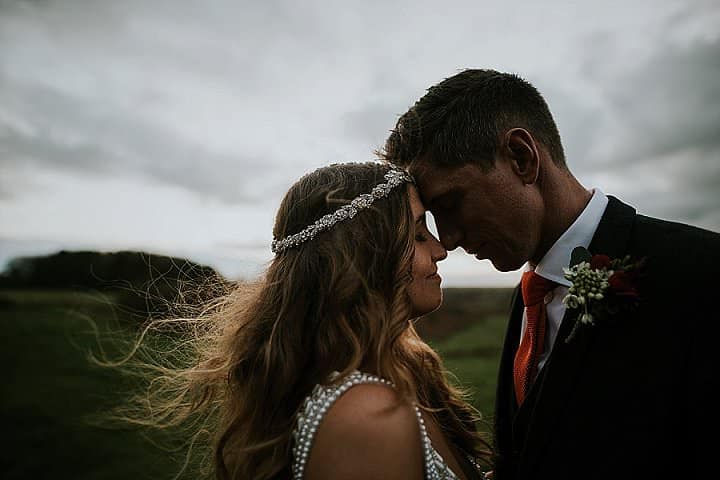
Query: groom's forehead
(433, 181)
(424, 169)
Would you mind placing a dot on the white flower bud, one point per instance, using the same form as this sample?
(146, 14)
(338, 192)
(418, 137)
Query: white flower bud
(586, 318)
(571, 301)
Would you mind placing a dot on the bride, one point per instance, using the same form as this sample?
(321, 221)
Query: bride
(316, 371)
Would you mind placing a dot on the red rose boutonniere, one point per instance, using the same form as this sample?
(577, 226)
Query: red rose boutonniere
(601, 286)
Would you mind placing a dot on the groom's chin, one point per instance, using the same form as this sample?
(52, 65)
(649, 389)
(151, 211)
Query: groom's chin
(506, 265)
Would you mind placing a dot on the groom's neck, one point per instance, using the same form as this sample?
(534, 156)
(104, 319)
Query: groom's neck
(564, 200)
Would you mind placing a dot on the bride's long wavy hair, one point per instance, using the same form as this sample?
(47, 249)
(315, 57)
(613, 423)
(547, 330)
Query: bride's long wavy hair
(337, 303)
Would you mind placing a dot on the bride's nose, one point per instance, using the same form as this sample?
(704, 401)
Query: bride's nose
(439, 252)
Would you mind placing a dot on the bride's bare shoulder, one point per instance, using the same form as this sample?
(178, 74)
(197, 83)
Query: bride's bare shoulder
(369, 432)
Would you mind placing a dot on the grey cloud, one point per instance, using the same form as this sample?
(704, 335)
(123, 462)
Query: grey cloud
(691, 10)
(374, 116)
(651, 133)
(213, 36)
(75, 134)
(248, 48)
(278, 53)
(371, 125)
(681, 186)
(577, 122)
(673, 102)
(670, 112)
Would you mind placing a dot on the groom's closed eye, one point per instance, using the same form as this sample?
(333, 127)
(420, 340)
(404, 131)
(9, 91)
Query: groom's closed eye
(444, 202)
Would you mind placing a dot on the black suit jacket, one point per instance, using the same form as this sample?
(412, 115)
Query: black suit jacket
(633, 396)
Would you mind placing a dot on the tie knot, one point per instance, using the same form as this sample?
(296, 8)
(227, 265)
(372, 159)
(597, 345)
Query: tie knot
(534, 288)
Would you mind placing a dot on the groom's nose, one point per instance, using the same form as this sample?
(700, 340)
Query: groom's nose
(450, 239)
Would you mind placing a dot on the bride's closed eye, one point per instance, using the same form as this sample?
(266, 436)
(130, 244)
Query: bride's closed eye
(421, 229)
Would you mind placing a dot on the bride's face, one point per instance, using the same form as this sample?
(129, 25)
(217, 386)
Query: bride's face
(424, 290)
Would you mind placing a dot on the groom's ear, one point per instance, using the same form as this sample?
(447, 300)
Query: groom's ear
(520, 148)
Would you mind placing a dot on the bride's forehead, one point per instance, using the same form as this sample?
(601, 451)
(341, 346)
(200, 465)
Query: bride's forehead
(416, 205)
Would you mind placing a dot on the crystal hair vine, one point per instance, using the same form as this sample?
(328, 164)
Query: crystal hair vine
(393, 179)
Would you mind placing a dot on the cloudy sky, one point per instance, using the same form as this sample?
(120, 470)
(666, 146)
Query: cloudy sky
(176, 126)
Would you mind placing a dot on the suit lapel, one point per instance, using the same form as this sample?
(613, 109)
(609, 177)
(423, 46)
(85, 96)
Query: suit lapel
(613, 232)
(566, 360)
(505, 404)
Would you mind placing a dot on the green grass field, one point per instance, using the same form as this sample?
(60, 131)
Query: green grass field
(473, 358)
(51, 390)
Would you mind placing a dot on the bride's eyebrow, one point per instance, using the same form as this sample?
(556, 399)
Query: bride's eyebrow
(420, 219)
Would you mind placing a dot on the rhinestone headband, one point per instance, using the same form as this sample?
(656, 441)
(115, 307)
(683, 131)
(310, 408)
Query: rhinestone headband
(393, 178)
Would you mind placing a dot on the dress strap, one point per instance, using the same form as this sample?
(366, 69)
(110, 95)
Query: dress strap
(319, 402)
(430, 456)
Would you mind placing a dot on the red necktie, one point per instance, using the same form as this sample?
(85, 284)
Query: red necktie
(534, 288)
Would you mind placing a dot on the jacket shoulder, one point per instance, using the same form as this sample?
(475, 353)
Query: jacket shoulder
(687, 254)
(664, 236)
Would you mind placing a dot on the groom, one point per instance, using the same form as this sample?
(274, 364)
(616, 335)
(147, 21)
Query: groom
(611, 375)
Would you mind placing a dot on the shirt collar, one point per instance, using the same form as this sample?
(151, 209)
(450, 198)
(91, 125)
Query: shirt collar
(579, 234)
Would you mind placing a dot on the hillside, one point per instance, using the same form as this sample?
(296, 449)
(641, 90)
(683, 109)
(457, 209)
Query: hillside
(463, 308)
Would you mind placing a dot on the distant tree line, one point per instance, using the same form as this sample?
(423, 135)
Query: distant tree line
(147, 282)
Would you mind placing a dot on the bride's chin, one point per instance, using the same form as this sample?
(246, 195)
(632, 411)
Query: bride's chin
(426, 308)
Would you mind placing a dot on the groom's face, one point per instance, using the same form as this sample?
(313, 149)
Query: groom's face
(490, 214)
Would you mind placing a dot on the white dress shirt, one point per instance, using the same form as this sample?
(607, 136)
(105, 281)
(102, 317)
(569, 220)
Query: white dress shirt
(580, 233)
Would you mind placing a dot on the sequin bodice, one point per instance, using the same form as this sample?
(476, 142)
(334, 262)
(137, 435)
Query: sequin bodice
(319, 402)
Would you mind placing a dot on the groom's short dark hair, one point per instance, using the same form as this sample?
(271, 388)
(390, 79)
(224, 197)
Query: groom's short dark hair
(461, 119)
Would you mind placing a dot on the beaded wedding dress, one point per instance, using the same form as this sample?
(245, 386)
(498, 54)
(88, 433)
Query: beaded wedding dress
(319, 402)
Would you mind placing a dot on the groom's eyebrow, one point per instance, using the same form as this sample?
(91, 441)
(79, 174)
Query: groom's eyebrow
(433, 202)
